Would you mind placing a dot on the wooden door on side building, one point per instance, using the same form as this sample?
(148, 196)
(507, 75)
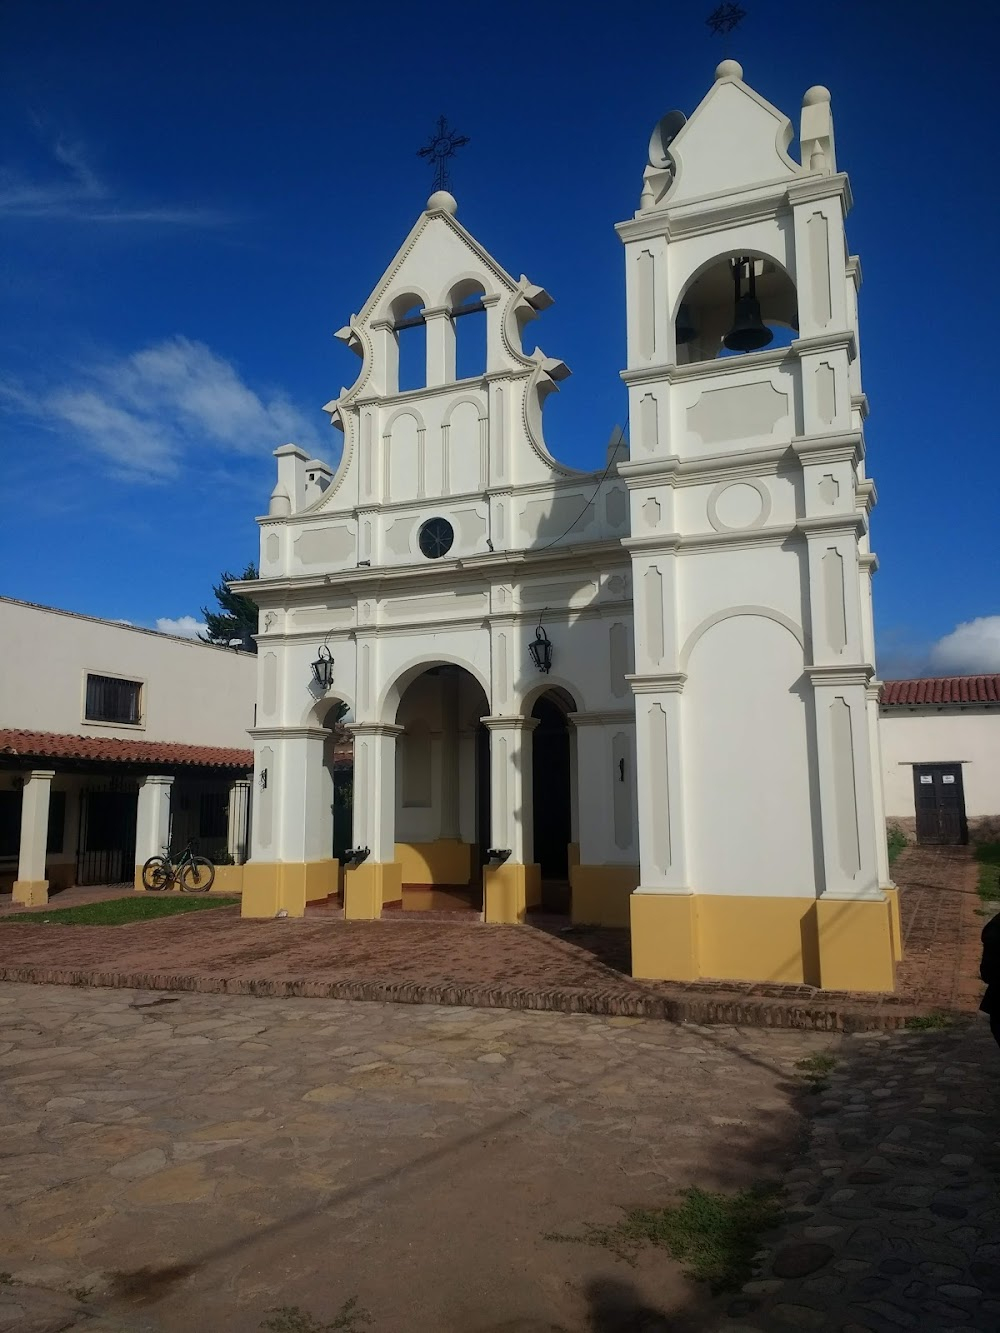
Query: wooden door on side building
(939, 799)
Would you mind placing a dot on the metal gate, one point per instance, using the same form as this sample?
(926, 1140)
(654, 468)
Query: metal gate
(105, 852)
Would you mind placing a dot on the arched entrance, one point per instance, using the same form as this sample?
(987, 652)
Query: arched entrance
(442, 790)
(338, 760)
(553, 793)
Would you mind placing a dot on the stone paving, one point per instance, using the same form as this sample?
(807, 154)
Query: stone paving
(180, 1162)
(452, 958)
(171, 1163)
(894, 1212)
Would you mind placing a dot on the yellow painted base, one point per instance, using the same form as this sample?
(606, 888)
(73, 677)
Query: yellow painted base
(446, 861)
(508, 891)
(30, 892)
(855, 945)
(896, 924)
(601, 894)
(369, 886)
(270, 887)
(793, 941)
(664, 937)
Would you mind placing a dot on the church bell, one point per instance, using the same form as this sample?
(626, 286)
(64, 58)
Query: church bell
(749, 332)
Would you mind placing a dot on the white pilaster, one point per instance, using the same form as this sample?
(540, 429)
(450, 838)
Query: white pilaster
(374, 805)
(511, 790)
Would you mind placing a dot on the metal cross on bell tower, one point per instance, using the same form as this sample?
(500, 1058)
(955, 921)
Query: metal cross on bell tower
(723, 20)
(443, 146)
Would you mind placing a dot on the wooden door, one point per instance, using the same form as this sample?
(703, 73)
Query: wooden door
(940, 804)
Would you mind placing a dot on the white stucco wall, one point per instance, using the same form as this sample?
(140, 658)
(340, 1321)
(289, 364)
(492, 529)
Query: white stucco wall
(970, 737)
(192, 692)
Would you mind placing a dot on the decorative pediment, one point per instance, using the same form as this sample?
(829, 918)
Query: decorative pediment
(735, 140)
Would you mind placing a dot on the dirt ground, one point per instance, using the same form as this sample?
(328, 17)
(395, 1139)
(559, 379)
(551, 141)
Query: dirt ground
(191, 1162)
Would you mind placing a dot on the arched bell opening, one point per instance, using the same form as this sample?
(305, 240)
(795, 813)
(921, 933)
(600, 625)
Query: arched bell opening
(468, 316)
(410, 338)
(738, 304)
(442, 790)
(553, 747)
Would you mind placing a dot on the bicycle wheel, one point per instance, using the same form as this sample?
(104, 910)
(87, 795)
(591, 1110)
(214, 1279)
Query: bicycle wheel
(156, 873)
(197, 875)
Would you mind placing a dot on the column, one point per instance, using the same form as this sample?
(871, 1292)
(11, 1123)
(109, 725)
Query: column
(440, 345)
(152, 822)
(292, 825)
(377, 879)
(31, 888)
(511, 887)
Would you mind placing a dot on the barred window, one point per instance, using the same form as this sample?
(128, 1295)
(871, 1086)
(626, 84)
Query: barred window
(112, 700)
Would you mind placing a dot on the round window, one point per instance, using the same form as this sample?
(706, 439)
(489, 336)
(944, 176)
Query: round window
(436, 537)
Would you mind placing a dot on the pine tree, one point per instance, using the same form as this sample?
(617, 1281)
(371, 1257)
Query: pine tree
(236, 617)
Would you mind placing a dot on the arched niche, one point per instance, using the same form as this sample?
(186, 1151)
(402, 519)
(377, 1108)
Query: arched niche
(705, 312)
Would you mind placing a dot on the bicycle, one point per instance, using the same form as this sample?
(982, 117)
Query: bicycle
(194, 874)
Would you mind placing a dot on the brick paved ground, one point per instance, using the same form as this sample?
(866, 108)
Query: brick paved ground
(453, 958)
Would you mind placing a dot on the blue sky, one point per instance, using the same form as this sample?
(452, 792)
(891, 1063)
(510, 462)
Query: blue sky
(194, 196)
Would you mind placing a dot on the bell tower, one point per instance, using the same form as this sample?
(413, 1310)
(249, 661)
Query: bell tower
(762, 836)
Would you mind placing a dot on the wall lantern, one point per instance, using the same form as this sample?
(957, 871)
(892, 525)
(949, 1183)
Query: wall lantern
(540, 649)
(263, 779)
(322, 668)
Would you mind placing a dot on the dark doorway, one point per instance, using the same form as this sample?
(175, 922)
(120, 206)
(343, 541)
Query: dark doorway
(551, 800)
(106, 849)
(939, 799)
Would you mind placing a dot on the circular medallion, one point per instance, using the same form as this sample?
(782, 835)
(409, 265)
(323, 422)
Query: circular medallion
(436, 537)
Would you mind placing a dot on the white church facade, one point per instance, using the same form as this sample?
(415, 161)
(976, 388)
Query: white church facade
(654, 683)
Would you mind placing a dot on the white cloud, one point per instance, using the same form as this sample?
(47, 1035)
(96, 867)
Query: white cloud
(78, 193)
(187, 627)
(972, 648)
(148, 412)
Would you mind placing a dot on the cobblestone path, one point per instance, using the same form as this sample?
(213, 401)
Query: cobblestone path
(186, 1163)
(895, 1211)
(179, 1163)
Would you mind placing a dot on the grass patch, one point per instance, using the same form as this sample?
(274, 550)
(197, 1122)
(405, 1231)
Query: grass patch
(932, 1022)
(988, 863)
(815, 1069)
(714, 1235)
(120, 911)
(293, 1319)
(895, 840)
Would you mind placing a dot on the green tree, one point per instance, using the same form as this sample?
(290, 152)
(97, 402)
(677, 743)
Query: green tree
(236, 617)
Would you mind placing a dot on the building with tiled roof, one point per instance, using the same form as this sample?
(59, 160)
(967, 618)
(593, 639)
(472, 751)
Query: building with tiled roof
(940, 739)
(96, 717)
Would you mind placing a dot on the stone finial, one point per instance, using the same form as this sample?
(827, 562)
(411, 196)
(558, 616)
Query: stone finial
(280, 504)
(816, 132)
(728, 69)
(441, 201)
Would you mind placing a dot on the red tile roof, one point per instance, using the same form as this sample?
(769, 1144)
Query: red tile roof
(939, 690)
(105, 749)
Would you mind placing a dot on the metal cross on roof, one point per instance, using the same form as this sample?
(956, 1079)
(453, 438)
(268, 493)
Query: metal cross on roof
(443, 145)
(724, 19)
